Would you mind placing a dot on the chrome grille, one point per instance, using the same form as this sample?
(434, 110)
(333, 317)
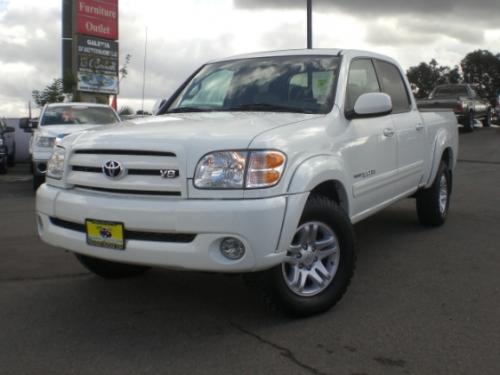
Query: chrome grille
(144, 172)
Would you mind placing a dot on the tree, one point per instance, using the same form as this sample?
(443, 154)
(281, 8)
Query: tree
(426, 76)
(482, 68)
(125, 111)
(53, 93)
(123, 72)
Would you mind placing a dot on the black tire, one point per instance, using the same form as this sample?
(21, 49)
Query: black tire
(37, 181)
(4, 166)
(323, 211)
(487, 120)
(432, 210)
(110, 270)
(12, 157)
(469, 122)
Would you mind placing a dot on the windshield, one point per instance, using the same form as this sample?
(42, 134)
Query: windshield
(286, 83)
(450, 91)
(78, 115)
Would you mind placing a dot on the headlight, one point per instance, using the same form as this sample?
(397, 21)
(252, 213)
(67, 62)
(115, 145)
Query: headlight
(45, 142)
(239, 169)
(1, 142)
(221, 170)
(55, 166)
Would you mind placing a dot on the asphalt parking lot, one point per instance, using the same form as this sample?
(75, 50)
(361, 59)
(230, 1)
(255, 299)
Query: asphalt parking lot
(423, 301)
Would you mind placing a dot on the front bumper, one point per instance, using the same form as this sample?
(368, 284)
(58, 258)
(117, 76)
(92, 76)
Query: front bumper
(258, 223)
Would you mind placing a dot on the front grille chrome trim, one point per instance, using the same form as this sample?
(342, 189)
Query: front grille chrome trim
(130, 192)
(125, 152)
(131, 172)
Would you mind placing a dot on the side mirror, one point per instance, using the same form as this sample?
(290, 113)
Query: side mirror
(371, 104)
(28, 124)
(24, 123)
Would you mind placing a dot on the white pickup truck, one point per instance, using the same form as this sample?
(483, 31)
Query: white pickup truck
(259, 162)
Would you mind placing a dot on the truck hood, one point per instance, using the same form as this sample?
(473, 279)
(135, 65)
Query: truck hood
(57, 130)
(188, 135)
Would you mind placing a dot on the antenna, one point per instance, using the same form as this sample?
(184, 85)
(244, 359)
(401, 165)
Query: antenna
(144, 70)
(309, 24)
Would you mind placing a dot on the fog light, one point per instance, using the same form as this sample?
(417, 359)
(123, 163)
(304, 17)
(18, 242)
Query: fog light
(232, 248)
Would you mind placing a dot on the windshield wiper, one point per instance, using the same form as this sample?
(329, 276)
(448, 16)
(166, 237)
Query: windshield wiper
(267, 107)
(189, 109)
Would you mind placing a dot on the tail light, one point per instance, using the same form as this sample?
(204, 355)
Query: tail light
(459, 107)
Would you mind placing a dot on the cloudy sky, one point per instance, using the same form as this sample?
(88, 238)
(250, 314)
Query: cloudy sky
(184, 34)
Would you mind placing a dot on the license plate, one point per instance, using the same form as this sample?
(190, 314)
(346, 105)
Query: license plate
(105, 234)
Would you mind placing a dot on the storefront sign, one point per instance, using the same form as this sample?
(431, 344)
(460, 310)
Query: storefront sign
(99, 83)
(97, 18)
(97, 55)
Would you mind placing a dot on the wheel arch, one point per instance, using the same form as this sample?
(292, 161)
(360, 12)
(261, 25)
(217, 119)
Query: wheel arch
(323, 175)
(443, 151)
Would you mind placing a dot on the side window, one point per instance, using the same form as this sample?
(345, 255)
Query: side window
(361, 80)
(393, 85)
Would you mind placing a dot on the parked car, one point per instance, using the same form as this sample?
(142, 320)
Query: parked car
(7, 146)
(463, 100)
(260, 162)
(59, 120)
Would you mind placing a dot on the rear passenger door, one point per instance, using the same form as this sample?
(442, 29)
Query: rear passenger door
(371, 152)
(409, 128)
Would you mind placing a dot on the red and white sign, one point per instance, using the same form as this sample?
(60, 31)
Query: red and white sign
(97, 18)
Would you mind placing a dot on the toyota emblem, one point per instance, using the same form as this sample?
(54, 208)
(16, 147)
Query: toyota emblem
(112, 169)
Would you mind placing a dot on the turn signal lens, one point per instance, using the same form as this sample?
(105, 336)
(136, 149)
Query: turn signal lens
(265, 168)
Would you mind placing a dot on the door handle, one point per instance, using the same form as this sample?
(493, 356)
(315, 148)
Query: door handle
(388, 132)
(419, 126)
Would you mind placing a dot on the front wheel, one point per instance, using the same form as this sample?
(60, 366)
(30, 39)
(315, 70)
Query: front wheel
(319, 263)
(469, 122)
(12, 157)
(3, 165)
(433, 203)
(37, 181)
(108, 269)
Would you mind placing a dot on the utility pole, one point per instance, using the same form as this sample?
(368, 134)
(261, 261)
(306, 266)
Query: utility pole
(144, 70)
(309, 24)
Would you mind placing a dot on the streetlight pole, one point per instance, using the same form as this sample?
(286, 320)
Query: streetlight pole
(309, 24)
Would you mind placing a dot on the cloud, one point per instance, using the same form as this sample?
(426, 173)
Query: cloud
(183, 37)
(366, 8)
(411, 31)
(460, 19)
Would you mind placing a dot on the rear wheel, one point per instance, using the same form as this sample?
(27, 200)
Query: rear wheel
(110, 270)
(433, 203)
(319, 263)
(487, 120)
